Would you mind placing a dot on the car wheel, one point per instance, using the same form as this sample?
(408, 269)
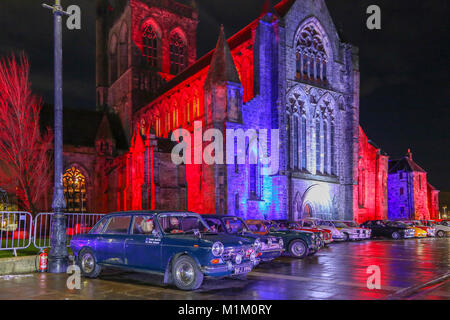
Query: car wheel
(395, 235)
(441, 234)
(88, 264)
(186, 274)
(346, 237)
(298, 249)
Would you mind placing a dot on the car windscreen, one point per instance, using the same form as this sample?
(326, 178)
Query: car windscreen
(215, 224)
(352, 224)
(397, 224)
(308, 224)
(235, 225)
(182, 223)
(98, 228)
(257, 227)
(339, 224)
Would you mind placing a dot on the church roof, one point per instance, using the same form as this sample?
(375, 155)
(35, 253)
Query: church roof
(222, 68)
(80, 126)
(245, 34)
(404, 164)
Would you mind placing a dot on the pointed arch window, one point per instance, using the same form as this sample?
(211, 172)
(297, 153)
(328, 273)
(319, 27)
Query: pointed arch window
(177, 54)
(333, 148)
(74, 190)
(318, 146)
(303, 143)
(113, 59)
(296, 148)
(325, 147)
(311, 58)
(123, 50)
(288, 135)
(150, 47)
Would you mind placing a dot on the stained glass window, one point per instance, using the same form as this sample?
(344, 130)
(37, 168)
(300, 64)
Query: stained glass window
(75, 190)
(177, 54)
(150, 47)
(311, 58)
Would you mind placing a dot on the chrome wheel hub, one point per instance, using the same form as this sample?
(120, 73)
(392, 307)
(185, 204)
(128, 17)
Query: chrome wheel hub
(185, 273)
(88, 263)
(298, 249)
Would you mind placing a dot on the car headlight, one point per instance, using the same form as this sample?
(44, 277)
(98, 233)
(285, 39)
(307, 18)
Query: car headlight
(281, 243)
(238, 259)
(257, 244)
(253, 257)
(217, 249)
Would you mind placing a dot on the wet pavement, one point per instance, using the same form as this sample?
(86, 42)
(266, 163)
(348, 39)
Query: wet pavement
(336, 272)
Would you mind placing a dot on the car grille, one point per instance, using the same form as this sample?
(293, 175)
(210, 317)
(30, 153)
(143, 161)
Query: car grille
(231, 252)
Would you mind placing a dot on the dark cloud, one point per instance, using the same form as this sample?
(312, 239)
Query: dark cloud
(404, 66)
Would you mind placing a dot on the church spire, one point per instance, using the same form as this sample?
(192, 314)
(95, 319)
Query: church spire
(267, 8)
(222, 68)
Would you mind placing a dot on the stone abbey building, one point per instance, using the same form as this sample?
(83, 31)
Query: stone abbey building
(288, 70)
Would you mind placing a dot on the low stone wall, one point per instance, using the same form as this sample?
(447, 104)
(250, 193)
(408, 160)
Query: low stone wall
(17, 265)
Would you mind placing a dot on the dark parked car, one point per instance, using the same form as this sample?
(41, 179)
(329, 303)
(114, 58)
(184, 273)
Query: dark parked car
(178, 245)
(390, 229)
(294, 225)
(298, 244)
(270, 247)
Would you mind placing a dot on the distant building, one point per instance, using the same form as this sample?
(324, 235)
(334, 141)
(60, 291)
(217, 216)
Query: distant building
(410, 196)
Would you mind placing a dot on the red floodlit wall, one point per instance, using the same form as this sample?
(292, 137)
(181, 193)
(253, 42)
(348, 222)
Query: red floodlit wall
(433, 202)
(420, 187)
(184, 104)
(372, 182)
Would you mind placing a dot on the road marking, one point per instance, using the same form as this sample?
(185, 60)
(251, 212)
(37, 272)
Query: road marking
(382, 258)
(326, 281)
(407, 292)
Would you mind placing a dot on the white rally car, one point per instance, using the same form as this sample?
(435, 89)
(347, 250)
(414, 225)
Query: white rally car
(339, 231)
(364, 233)
(442, 228)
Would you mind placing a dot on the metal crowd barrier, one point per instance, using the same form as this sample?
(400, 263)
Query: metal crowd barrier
(77, 223)
(15, 230)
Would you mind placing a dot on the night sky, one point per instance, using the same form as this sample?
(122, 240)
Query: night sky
(404, 67)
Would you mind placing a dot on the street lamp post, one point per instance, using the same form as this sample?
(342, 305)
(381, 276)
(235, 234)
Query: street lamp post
(58, 256)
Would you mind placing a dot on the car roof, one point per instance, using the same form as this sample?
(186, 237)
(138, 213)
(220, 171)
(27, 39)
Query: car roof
(218, 216)
(148, 212)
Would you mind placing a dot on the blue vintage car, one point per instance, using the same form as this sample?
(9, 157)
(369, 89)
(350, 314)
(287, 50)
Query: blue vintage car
(178, 245)
(271, 247)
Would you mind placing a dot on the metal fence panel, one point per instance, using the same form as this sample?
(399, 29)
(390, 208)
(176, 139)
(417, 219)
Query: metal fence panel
(16, 228)
(77, 223)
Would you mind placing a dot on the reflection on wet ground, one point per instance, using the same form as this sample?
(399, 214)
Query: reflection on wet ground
(337, 272)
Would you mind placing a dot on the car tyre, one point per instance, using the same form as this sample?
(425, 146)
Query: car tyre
(440, 234)
(346, 237)
(298, 249)
(395, 235)
(88, 264)
(186, 274)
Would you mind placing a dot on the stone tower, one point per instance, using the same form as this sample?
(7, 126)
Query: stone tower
(223, 104)
(140, 46)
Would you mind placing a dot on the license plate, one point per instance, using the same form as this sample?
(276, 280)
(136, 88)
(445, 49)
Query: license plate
(243, 269)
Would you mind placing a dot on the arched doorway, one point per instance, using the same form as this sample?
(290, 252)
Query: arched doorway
(75, 190)
(315, 203)
(307, 211)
